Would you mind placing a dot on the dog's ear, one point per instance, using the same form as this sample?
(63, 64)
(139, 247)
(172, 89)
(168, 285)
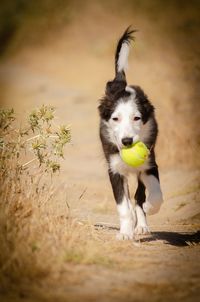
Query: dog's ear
(145, 107)
(115, 88)
(148, 110)
(105, 108)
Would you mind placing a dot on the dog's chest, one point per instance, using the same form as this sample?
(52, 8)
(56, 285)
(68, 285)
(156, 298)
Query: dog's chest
(117, 165)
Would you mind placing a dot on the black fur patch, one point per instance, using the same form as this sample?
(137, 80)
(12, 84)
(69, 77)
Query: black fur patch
(144, 106)
(140, 193)
(114, 91)
(117, 182)
(153, 171)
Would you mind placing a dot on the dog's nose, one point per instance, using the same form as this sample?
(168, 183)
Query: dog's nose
(127, 141)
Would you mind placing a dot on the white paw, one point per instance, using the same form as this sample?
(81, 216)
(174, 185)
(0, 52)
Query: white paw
(142, 230)
(126, 228)
(123, 236)
(151, 208)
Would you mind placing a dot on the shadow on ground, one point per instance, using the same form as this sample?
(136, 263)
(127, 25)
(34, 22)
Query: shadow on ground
(171, 238)
(177, 239)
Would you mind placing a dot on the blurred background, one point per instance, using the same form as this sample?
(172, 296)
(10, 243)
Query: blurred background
(62, 53)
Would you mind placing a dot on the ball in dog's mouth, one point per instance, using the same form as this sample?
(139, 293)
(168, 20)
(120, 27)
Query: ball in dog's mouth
(135, 155)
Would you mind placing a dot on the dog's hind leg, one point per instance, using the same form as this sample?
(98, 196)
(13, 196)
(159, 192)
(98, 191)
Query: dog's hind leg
(150, 178)
(124, 206)
(141, 226)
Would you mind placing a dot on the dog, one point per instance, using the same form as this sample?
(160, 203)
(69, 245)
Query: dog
(126, 116)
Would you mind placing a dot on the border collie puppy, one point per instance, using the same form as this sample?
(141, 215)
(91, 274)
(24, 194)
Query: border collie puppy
(126, 115)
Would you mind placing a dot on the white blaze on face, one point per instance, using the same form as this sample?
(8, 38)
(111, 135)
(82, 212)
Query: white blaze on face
(125, 121)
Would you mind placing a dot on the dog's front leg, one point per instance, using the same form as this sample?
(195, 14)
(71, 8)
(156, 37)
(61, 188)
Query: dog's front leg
(124, 207)
(154, 199)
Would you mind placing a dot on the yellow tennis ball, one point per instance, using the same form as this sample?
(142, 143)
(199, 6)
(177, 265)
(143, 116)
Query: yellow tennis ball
(135, 155)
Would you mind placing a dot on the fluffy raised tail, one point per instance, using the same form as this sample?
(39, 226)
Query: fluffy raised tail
(122, 52)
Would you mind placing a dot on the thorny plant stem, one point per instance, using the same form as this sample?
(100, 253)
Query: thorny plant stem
(39, 135)
(29, 162)
(31, 138)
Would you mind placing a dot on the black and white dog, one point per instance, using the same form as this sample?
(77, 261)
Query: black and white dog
(127, 115)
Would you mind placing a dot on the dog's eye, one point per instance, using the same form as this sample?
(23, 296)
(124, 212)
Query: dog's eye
(137, 118)
(115, 119)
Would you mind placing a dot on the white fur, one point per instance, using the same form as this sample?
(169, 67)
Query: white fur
(154, 199)
(131, 90)
(141, 227)
(145, 130)
(125, 111)
(127, 219)
(117, 165)
(127, 216)
(122, 63)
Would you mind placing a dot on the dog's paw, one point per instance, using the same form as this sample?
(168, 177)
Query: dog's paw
(123, 236)
(142, 230)
(152, 208)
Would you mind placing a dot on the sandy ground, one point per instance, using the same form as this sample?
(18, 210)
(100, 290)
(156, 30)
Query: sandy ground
(164, 265)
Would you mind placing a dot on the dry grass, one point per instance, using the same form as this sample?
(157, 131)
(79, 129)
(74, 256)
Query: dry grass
(27, 190)
(34, 235)
(39, 232)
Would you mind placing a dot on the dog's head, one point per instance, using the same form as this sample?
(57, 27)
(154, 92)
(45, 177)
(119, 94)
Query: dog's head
(124, 110)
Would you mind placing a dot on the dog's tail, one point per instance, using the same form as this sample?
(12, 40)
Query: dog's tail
(122, 52)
